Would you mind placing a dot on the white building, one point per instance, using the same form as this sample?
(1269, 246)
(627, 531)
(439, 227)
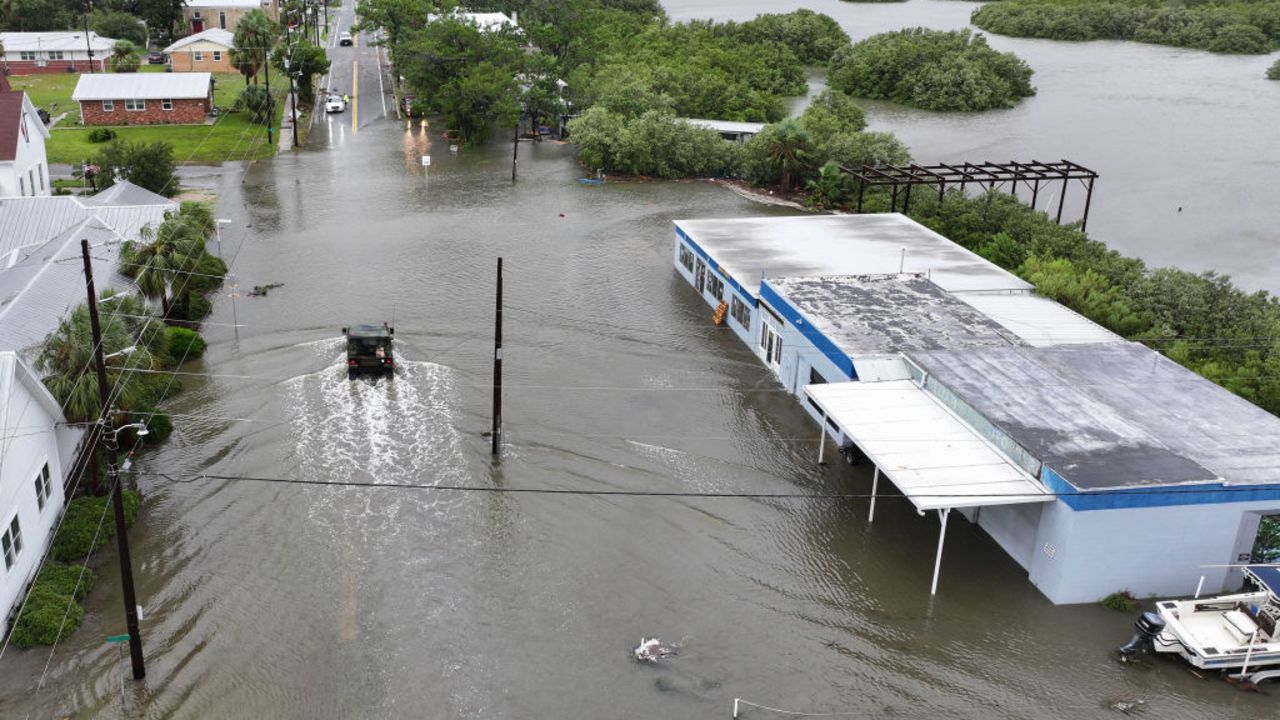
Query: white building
(56, 51)
(486, 21)
(1097, 464)
(24, 167)
(36, 453)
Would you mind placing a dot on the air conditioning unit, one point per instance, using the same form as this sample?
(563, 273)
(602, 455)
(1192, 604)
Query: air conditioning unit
(41, 63)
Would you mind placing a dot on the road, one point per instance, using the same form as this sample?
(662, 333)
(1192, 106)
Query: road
(355, 70)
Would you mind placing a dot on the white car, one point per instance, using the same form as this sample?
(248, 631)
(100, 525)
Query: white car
(344, 38)
(335, 104)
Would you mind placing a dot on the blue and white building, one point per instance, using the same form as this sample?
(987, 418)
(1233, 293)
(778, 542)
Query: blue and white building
(1096, 463)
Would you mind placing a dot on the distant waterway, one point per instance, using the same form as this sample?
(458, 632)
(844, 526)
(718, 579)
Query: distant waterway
(1187, 143)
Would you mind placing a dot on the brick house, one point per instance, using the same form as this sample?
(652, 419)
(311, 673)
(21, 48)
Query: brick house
(208, 51)
(201, 15)
(58, 51)
(145, 98)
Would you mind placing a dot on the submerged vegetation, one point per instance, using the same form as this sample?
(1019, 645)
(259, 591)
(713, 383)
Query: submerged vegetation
(931, 69)
(1222, 26)
(1273, 72)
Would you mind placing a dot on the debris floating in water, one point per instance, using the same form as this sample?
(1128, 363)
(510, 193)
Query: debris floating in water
(652, 650)
(1127, 706)
(262, 290)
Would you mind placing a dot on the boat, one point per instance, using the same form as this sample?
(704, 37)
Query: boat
(1235, 632)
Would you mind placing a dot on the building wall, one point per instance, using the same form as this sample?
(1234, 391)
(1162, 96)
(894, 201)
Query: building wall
(28, 173)
(226, 18)
(80, 64)
(184, 60)
(25, 453)
(1083, 556)
(184, 112)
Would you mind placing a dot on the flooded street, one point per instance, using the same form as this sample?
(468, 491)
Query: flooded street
(268, 596)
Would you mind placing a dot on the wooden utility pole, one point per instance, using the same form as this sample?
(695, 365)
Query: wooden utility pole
(497, 369)
(108, 436)
(515, 155)
(271, 102)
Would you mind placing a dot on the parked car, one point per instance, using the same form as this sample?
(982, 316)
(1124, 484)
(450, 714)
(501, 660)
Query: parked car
(344, 38)
(335, 104)
(155, 58)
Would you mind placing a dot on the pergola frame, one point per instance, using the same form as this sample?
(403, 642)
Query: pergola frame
(989, 175)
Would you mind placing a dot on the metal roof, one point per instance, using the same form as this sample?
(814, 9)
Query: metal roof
(1113, 415)
(15, 42)
(213, 35)
(727, 126)
(142, 86)
(816, 245)
(1038, 320)
(880, 314)
(935, 459)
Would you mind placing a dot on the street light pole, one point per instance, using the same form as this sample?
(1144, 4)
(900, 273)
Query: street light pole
(88, 46)
(113, 476)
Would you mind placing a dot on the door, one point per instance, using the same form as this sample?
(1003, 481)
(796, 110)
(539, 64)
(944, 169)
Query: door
(700, 275)
(197, 26)
(771, 342)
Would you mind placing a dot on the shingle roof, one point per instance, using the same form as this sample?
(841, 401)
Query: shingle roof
(10, 123)
(143, 86)
(58, 40)
(213, 35)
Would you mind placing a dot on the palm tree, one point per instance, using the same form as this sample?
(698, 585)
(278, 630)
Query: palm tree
(255, 34)
(789, 149)
(164, 264)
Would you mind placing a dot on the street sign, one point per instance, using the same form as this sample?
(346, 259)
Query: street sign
(118, 638)
(426, 161)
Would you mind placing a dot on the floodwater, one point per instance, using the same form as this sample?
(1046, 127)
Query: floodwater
(267, 598)
(1186, 143)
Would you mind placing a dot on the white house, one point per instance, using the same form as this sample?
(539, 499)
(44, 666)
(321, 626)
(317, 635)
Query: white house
(486, 21)
(24, 167)
(56, 51)
(36, 452)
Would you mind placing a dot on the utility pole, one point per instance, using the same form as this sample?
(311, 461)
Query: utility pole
(271, 102)
(515, 150)
(293, 97)
(88, 45)
(113, 474)
(497, 370)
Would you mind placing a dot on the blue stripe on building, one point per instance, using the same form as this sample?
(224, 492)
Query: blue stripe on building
(811, 333)
(713, 265)
(1140, 497)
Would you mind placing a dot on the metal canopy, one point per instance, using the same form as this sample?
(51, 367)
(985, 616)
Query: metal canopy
(935, 459)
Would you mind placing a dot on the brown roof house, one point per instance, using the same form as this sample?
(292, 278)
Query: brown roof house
(208, 51)
(179, 98)
(24, 168)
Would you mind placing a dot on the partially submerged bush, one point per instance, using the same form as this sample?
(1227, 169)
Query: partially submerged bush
(184, 344)
(1123, 601)
(47, 616)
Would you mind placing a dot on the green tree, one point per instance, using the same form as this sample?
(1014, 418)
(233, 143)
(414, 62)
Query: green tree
(306, 62)
(597, 134)
(124, 57)
(255, 34)
(832, 113)
(830, 189)
(874, 149)
(119, 26)
(147, 165)
(785, 148)
(38, 15)
(165, 261)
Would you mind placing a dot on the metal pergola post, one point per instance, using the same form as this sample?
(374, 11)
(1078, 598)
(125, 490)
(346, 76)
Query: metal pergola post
(822, 439)
(943, 514)
(875, 482)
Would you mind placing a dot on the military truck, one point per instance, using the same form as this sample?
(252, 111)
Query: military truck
(369, 349)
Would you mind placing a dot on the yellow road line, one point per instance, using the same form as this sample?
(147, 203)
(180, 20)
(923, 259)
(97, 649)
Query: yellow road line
(355, 96)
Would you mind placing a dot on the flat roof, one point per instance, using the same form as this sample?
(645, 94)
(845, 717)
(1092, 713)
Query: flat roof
(142, 86)
(727, 126)
(936, 460)
(817, 245)
(1112, 415)
(1038, 320)
(881, 314)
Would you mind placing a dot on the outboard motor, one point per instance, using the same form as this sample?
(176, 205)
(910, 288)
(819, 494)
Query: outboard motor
(852, 455)
(1146, 628)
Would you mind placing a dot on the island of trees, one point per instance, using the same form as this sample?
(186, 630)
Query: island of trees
(1223, 26)
(931, 69)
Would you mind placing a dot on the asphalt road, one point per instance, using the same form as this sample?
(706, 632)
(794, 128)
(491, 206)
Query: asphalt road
(355, 70)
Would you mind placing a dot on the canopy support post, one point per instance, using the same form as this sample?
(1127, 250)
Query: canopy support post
(875, 481)
(942, 535)
(822, 439)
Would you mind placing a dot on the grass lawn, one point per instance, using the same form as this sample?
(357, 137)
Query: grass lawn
(232, 137)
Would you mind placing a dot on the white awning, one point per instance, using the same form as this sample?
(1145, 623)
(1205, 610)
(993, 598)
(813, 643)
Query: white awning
(934, 458)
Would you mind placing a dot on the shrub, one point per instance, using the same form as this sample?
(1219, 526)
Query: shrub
(101, 135)
(195, 308)
(655, 144)
(877, 149)
(159, 425)
(812, 36)
(80, 524)
(931, 69)
(1122, 601)
(832, 113)
(67, 580)
(830, 189)
(1273, 72)
(184, 344)
(255, 100)
(47, 616)
(147, 165)
(210, 271)
(153, 388)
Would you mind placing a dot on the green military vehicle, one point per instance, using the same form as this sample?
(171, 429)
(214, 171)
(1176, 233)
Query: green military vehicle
(369, 349)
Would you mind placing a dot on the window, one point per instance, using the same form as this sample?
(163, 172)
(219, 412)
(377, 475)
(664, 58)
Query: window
(740, 312)
(108, 105)
(686, 257)
(57, 55)
(27, 55)
(166, 104)
(31, 181)
(197, 56)
(217, 56)
(40, 169)
(11, 542)
(42, 486)
(22, 186)
(771, 342)
(195, 15)
(222, 23)
(715, 285)
(135, 105)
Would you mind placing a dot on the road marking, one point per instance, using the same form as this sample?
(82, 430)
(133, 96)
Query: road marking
(382, 93)
(355, 96)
